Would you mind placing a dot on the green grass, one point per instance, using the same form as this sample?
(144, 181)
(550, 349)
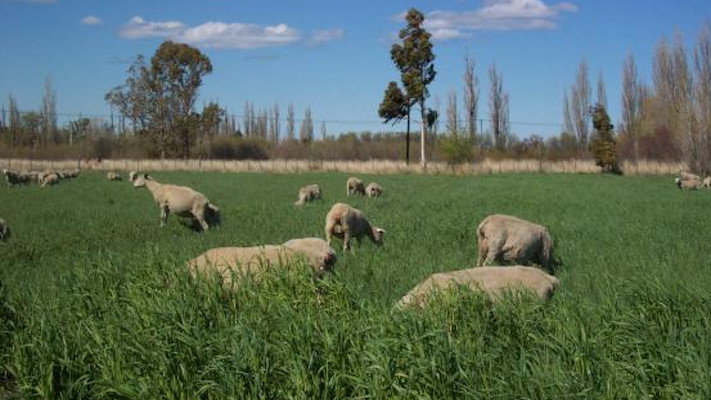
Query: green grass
(95, 301)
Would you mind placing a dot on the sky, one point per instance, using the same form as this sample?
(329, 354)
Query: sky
(334, 56)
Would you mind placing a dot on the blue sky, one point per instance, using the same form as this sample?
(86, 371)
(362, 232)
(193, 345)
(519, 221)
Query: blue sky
(333, 56)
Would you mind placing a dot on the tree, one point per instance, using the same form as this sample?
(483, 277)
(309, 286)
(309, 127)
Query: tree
(580, 104)
(306, 131)
(48, 111)
(604, 146)
(498, 108)
(323, 130)
(290, 126)
(14, 120)
(471, 97)
(160, 98)
(631, 103)
(210, 121)
(601, 91)
(702, 94)
(394, 107)
(415, 61)
(274, 124)
(452, 118)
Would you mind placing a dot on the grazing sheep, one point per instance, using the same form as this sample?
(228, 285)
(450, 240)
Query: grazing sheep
(70, 173)
(4, 229)
(49, 179)
(347, 222)
(686, 176)
(355, 186)
(132, 176)
(706, 182)
(180, 200)
(308, 193)
(227, 261)
(113, 176)
(688, 184)
(373, 190)
(493, 281)
(503, 238)
(15, 177)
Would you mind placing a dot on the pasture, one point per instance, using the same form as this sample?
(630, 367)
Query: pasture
(96, 302)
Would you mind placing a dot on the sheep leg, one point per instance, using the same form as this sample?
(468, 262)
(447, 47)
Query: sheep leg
(164, 212)
(483, 249)
(346, 241)
(199, 214)
(329, 230)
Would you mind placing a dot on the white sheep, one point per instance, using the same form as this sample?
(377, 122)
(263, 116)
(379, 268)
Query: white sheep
(15, 177)
(180, 200)
(70, 173)
(355, 186)
(113, 176)
(493, 281)
(132, 176)
(4, 229)
(49, 179)
(373, 190)
(348, 222)
(689, 184)
(504, 238)
(227, 261)
(308, 193)
(706, 182)
(686, 176)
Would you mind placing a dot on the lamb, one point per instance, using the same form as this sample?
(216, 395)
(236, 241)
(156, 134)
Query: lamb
(132, 176)
(254, 260)
(308, 193)
(49, 179)
(180, 200)
(113, 176)
(4, 229)
(373, 190)
(347, 222)
(355, 186)
(503, 238)
(688, 184)
(493, 281)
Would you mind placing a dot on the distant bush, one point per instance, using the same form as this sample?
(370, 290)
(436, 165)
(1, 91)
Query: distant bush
(457, 151)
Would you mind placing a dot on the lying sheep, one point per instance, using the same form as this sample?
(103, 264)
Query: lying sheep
(226, 261)
(180, 200)
(493, 281)
(308, 193)
(49, 179)
(689, 184)
(4, 229)
(373, 190)
(355, 186)
(113, 176)
(507, 239)
(132, 176)
(347, 222)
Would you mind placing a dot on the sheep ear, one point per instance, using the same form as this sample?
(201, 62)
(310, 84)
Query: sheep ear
(381, 230)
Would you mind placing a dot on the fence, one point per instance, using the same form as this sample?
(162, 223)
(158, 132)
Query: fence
(642, 167)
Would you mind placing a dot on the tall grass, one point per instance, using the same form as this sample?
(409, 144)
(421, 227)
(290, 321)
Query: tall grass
(95, 300)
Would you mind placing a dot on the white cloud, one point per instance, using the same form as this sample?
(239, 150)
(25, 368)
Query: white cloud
(495, 15)
(213, 34)
(91, 20)
(329, 35)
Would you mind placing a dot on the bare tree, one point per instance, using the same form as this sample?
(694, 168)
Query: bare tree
(452, 118)
(14, 120)
(601, 91)
(274, 124)
(262, 122)
(471, 96)
(702, 95)
(290, 123)
(580, 104)
(306, 131)
(247, 121)
(631, 102)
(568, 125)
(48, 113)
(498, 108)
(323, 130)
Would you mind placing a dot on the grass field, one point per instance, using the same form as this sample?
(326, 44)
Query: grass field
(95, 301)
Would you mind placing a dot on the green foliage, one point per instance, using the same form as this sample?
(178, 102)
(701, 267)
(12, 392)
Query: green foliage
(96, 302)
(604, 147)
(457, 150)
(394, 106)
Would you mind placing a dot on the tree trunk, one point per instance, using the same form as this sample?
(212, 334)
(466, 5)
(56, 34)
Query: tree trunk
(407, 139)
(423, 160)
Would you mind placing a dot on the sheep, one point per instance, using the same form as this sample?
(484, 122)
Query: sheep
(355, 186)
(132, 176)
(493, 281)
(347, 222)
(688, 184)
(4, 229)
(686, 176)
(706, 182)
(49, 179)
(70, 173)
(113, 176)
(15, 177)
(180, 200)
(503, 238)
(373, 190)
(254, 260)
(308, 193)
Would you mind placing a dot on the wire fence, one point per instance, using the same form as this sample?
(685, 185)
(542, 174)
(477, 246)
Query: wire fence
(485, 167)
